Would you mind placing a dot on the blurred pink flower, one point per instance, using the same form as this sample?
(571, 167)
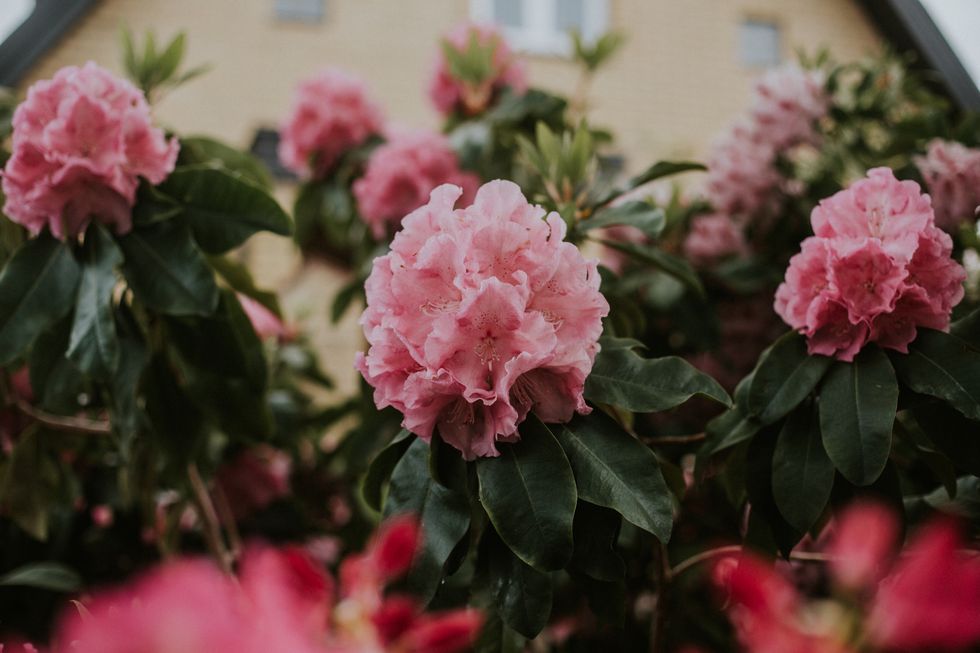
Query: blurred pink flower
(254, 479)
(266, 323)
(480, 315)
(449, 94)
(712, 238)
(786, 102)
(332, 113)
(861, 545)
(952, 174)
(400, 175)
(81, 142)
(875, 270)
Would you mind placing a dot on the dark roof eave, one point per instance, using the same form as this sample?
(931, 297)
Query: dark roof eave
(36, 35)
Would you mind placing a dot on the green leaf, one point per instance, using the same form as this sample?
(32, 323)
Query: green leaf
(529, 495)
(239, 279)
(37, 287)
(858, 402)
(941, 365)
(785, 376)
(497, 637)
(802, 474)
(167, 272)
(522, 594)
(201, 149)
(443, 515)
(967, 328)
(56, 381)
(622, 378)
(732, 427)
(23, 492)
(953, 434)
(169, 60)
(644, 216)
(380, 470)
(615, 470)
(658, 170)
(44, 575)
(596, 530)
(93, 345)
(672, 265)
(223, 209)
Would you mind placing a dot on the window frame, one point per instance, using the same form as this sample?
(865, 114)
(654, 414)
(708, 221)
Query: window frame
(538, 33)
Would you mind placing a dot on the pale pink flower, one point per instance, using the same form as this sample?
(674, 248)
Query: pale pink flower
(450, 94)
(400, 175)
(952, 175)
(712, 238)
(876, 269)
(479, 315)
(266, 323)
(81, 142)
(331, 114)
(786, 102)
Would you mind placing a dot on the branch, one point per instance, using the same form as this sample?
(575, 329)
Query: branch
(209, 519)
(801, 556)
(675, 439)
(61, 422)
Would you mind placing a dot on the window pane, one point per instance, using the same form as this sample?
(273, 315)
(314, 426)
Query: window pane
(305, 11)
(758, 43)
(509, 13)
(12, 14)
(569, 15)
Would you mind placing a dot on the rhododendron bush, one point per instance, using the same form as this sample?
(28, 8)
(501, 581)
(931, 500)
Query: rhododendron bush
(695, 408)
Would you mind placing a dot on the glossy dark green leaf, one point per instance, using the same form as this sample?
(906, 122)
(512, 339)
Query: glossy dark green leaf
(732, 427)
(858, 402)
(201, 149)
(768, 531)
(237, 275)
(615, 470)
(672, 265)
(596, 530)
(785, 376)
(941, 365)
(498, 637)
(223, 209)
(644, 216)
(529, 494)
(443, 515)
(166, 270)
(658, 170)
(952, 433)
(968, 328)
(22, 495)
(93, 345)
(43, 575)
(380, 469)
(802, 474)
(37, 288)
(623, 378)
(522, 594)
(57, 383)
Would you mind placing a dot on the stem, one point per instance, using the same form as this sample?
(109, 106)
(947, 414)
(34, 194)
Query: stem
(676, 439)
(228, 520)
(209, 519)
(658, 643)
(61, 423)
(801, 556)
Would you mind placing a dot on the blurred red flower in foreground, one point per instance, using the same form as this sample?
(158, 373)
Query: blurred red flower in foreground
(282, 601)
(926, 599)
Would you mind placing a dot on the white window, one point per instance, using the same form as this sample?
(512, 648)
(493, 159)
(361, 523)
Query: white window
(543, 26)
(759, 43)
(300, 11)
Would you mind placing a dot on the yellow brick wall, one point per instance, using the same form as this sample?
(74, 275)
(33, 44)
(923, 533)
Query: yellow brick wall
(674, 85)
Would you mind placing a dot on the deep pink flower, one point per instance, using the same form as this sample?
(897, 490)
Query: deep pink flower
(931, 599)
(712, 238)
(876, 269)
(952, 174)
(254, 479)
(332, 113)
(81, 142)
(478, 316)
(400, 175)
(450, 94)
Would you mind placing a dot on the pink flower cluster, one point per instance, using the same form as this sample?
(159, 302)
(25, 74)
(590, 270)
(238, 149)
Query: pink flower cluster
(480, 315)
(450, 94)
(400, 175)
(267, 324)
(926, 599)
(254, 479)
(712, 238)
(81, 142)
(786, 103)
(332, 113)
(876, 269)
(952, 175)
(282, 601)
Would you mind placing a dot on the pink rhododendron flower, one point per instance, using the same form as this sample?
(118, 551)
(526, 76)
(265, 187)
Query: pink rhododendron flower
(81, 142)
(931, 599)
(876, 269)
(861, 546)
(266, 323)
(742, 180)
(400, 175)
(712, 238)
(254, 479)
(952, 175)
(449, 93)
(479, 315)
(331, 114)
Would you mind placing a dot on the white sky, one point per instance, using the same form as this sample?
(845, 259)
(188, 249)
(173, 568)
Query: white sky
(12, 14)
(959, 20)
